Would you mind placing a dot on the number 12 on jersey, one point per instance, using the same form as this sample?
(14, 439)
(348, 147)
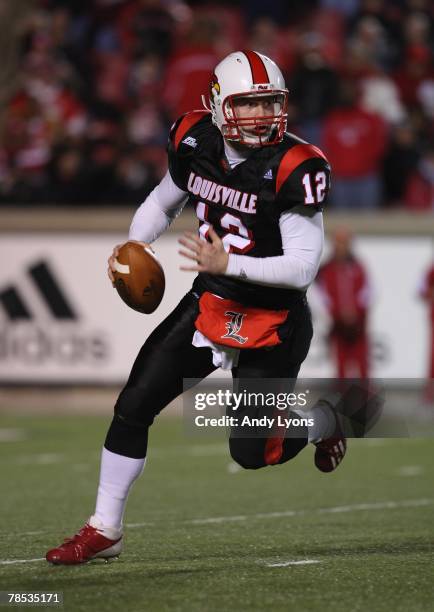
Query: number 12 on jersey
(314, 190)
(238, 239)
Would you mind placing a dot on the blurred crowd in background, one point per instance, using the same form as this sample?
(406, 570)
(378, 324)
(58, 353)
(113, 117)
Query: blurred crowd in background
(93, 87)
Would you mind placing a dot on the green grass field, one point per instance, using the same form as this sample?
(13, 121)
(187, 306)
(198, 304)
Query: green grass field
(204, 536)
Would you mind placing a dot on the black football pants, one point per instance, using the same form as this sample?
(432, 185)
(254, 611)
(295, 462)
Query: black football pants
(168, 357)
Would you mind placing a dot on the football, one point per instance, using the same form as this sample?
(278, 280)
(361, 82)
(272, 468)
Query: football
(139, 277)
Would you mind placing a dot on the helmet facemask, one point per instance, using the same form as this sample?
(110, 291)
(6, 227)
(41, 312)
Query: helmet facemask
(255, 118)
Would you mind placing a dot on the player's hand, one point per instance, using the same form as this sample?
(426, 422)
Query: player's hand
(210, 257)
(111, 260)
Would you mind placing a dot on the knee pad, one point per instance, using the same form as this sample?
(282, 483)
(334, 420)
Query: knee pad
(127, 440)
(136, 407)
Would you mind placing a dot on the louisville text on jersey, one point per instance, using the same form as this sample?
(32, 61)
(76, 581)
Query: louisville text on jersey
(219, 194)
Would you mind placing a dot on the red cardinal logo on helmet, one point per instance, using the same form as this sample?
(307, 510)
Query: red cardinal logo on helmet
(214, 86)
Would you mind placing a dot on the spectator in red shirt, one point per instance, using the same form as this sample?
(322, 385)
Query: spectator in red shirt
(354, 141)
(427, 294)
(189, 68)
(344, 285)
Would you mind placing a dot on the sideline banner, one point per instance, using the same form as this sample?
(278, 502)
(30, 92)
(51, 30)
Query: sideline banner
(62, 322)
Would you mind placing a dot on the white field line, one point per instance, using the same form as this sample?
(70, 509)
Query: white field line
(12, 435)
(197, 450)
(390, 505)
(286, 563)
(410, 470)
(411, 503)
(39, 459)
(283, 564)
(14, 561)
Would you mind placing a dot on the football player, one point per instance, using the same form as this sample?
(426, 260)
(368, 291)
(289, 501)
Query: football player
(258, 194)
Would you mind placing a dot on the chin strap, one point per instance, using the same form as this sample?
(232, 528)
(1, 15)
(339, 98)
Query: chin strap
(205, 105)
(209, 109)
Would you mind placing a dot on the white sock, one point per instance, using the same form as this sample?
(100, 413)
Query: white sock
(324, 421)
(108, 532)
(117, 475)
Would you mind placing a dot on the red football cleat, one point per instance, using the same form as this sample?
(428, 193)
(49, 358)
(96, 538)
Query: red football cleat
(330, 452)
(89, 543)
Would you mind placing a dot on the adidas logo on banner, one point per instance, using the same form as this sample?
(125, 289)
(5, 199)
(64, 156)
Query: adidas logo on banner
(49, 290)
(30, 340)
(268, 174)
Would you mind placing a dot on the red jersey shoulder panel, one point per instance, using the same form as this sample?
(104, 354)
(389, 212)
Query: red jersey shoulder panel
(293, 158)
(186, 123)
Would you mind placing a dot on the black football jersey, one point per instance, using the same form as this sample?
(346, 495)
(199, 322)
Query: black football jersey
(244, 204)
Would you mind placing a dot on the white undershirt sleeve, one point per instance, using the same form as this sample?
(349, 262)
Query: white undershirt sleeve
(302, 244)
(157, 212)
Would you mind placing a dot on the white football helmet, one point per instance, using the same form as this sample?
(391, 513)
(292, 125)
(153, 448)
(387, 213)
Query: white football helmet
(247, 80)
